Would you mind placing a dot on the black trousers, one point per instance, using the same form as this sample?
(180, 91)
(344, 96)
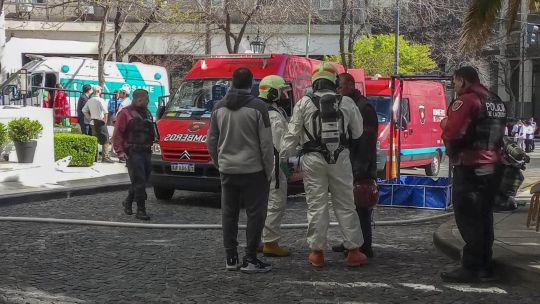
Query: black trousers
(252, 190)
(473, 196)
(139, 166)
(85, 128)
(365, 215)
(529, 145)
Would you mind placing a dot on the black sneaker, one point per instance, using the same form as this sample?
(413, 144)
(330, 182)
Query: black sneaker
(107, 161)
(232, 263)
(141, 215)
(460, 275)
(255, 266)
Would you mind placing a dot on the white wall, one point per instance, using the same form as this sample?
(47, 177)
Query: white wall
(45, 147)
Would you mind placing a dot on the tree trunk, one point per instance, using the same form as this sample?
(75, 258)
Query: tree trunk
(2, 41)
(207, 34)
(101, 46)
(342, 33)
(227, 29)
(117, 29)
(350, 46)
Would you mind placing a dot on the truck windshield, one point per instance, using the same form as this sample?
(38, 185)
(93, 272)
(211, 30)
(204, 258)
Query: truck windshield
(197, 97)
(382, 106)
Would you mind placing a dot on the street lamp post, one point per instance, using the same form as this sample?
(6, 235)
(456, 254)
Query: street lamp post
(308, 35)
(528, 37)
(396, 50)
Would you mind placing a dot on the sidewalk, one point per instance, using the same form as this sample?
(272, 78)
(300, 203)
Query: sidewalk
(516, 250)
(31, 182)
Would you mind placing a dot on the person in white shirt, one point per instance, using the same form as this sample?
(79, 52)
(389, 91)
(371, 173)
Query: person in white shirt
(124, 97)
(535, 128)
(96, 109)
(529, 136)
(517, 132)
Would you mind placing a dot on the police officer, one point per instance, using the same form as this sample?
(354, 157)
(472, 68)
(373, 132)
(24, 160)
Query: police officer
(273, 90)
(363, 156)
(322, 122)
(473, 133)
(132, 140)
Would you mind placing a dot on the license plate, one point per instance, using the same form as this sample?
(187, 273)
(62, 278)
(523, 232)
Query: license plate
(183, 167)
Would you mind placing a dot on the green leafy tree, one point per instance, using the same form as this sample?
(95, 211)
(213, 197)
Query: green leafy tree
(375, 54)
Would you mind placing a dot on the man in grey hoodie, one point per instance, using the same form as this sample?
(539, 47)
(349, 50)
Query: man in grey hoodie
(241, 147)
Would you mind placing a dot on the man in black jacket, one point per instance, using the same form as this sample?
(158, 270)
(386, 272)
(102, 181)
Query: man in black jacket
(84, 123)
(363, 155)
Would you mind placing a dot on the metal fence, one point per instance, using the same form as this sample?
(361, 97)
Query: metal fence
(17, 95)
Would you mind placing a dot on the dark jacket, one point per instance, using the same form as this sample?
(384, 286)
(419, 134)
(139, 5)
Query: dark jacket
(364, 149)
(124, 129)
(240, 137)
(462, 114)
(80, 105)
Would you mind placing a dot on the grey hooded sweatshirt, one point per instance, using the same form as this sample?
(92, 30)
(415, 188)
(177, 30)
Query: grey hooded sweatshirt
(240, 138)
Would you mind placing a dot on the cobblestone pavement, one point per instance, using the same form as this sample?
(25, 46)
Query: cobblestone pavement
(46, 263)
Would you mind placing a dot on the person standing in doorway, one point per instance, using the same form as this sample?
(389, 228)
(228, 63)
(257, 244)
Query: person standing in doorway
(241, 147)
(132, 141)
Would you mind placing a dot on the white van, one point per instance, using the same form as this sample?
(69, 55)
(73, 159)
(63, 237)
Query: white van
(73, 73)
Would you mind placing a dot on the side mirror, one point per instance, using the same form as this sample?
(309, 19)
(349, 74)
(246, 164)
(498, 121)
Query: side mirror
(159, 113)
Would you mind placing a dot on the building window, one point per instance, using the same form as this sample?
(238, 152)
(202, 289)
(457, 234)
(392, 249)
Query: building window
(326, 4)
(39, 1)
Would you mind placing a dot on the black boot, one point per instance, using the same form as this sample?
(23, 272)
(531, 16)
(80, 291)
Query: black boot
(127, 207)
(141, 212)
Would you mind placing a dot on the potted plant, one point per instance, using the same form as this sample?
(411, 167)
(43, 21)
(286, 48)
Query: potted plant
(3, 135)
(3, 139)
(24, 132)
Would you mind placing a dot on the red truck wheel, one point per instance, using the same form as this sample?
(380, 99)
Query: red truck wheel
(434, 167)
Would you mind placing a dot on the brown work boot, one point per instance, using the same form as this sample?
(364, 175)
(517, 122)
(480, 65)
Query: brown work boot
(272, 249)
(316, 258)
(355, 258)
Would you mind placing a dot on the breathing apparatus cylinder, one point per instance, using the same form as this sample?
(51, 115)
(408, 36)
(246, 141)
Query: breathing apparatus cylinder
(330, 135)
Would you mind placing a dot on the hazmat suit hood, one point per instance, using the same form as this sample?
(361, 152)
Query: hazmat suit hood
(237, 98)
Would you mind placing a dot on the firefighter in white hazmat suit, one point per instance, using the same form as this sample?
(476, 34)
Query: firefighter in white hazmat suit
(321, 123)
(273, 90)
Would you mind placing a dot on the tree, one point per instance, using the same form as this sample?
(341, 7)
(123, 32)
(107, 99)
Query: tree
(347, 20)
(142, 11)
(375, 53)
(481, 17)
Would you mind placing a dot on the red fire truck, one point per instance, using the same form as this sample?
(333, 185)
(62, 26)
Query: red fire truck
(181, 160)
(423, 106)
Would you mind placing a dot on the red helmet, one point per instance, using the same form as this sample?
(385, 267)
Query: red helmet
(366, 193)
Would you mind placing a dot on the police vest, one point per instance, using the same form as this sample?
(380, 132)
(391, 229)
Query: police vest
(140, 129)
(487, 131)
(315, 143)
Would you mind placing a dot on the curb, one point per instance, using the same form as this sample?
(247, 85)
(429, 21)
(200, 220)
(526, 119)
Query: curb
(45, 195)
(444, 240)
(511, 271)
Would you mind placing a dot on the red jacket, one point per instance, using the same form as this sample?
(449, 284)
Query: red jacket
(120, 135)
(61, 105)
(461, 113)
